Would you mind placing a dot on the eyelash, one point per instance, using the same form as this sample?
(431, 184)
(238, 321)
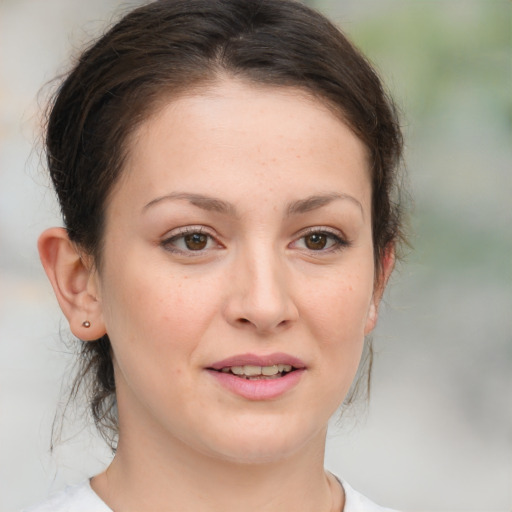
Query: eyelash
(338, 241)
(167, 244)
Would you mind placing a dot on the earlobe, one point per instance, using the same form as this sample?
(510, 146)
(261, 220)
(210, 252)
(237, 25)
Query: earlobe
(371, 319)
(387, 265)
(73, 282)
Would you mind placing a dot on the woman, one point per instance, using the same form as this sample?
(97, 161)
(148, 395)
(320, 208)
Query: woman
(226, 171)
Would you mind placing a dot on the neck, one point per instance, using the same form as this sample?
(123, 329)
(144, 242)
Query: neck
(149, 476)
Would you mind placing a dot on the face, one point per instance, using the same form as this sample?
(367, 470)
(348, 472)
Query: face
(237, 279)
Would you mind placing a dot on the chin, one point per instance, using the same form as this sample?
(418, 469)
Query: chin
(265, 444)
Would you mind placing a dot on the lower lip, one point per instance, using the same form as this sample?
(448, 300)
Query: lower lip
(260, 389)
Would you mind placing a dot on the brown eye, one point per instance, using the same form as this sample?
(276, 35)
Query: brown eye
(190, 242)
(316, 241)
(322, 241)
(196, 241)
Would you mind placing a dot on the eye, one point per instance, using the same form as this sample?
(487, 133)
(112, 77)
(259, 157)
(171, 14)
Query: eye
(321, 240)
(189, 240)
(316, 241)
(196, 241)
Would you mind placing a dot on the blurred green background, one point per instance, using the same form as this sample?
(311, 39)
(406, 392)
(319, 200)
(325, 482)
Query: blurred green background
(438, 431)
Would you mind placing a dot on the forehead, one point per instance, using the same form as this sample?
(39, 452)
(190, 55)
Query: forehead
(233, 130)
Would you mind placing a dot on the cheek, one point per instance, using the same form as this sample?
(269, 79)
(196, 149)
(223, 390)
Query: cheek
(152, 308)
(338, 313)
(340, 308)
(156, 322)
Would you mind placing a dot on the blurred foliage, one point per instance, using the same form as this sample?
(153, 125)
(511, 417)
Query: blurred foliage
(437, 48)
(448, 64)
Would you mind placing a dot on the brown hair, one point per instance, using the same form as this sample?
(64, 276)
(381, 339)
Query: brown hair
(169, 47)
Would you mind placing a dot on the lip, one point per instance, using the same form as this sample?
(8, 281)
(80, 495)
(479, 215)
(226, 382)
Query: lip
(260, 389)
(259, 360)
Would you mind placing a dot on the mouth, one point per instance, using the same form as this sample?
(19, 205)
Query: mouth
(253, 367)
(258, 377)
(252, 372)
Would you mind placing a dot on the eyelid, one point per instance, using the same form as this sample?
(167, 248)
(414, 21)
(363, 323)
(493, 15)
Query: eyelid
(322, 229)
(180, 232)
(342, 241)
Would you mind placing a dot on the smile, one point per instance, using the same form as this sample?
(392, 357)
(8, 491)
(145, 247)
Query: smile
(252, 372)
(256, 377)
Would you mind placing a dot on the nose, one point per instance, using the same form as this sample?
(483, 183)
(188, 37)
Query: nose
(260, 297)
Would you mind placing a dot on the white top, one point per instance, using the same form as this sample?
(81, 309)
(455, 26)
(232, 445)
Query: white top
(81, 498)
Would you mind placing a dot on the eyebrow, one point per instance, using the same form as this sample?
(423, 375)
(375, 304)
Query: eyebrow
(317, 201)
(204, 202)
(218, 205)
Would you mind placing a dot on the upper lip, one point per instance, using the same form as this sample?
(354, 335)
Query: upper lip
(258, 360)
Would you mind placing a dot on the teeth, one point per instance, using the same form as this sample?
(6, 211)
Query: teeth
(237, 370)
(252, 371)
(256, 371)
(270, 370)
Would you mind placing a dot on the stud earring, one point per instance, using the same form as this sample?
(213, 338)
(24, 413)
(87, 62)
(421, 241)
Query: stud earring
(86, 324)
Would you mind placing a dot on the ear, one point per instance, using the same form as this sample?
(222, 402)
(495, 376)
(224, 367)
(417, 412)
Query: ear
(75, 283)
(387, 265)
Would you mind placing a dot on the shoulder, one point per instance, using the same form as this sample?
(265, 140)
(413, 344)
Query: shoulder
(356, 502)
(76, 498)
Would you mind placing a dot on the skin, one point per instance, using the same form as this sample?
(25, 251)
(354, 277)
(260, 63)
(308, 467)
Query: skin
(286, 176)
